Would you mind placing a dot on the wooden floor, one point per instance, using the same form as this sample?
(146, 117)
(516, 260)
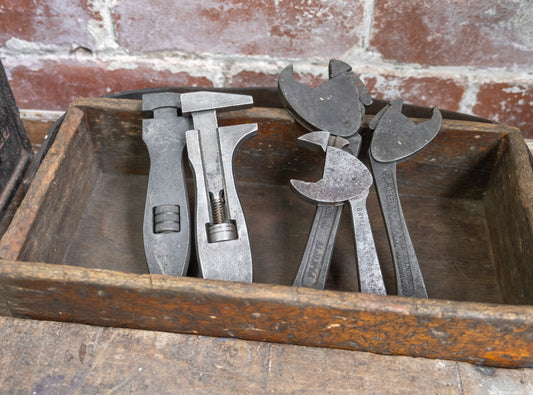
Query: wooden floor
(59, 358)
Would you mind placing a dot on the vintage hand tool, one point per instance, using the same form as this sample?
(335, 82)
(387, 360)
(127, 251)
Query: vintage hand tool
(397, 138)
(222, 242)
(166, 217)
(338, 107)
(346, 179)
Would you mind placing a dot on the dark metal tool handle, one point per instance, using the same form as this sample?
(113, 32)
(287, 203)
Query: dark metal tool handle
(166, 227)
(409, 278)
(315, 263)
(370, 277)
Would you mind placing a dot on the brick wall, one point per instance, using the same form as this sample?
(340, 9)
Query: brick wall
(473, 56)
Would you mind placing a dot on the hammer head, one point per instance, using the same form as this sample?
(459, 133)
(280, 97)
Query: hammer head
(204, 101)
(345, 178)
(336, 105)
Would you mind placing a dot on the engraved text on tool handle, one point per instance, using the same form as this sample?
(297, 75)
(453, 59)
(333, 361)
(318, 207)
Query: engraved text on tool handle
(408, 275)
(317, 256)
(370, 277)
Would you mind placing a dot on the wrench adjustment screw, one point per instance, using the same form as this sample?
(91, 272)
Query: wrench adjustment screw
(218, 209)
(220, 229)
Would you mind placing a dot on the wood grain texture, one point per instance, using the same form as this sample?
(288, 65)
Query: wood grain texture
(509, 202)
(37, 131)
(279, 222)
(457, 163)
(50, 211)
(93, 222)
(478, 333)
(52, 357)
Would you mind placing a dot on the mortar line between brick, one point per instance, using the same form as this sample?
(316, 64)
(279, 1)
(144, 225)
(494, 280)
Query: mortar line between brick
(368, 21)
(103, 31)
(469, 99)
(223, 67)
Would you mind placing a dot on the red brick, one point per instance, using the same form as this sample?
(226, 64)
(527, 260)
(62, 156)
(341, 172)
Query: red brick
(252, 78)
(54, 85)
(57, 22)
(309, 79)
(455, 32)
(303, 28)
(429, 91)
(511, 104)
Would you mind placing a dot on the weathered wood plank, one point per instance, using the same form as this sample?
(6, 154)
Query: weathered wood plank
(50, 211)
(454, 164)
(52, 357)
(279, 222)
(37, 131)
(445, 183)
(478, 333)
(509, 202)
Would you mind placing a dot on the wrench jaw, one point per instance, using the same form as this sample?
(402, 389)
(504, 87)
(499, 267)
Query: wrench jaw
(337, 67)
(334, 105)
(396, 137)
(345, 179)
(313, 140)
(322, 139)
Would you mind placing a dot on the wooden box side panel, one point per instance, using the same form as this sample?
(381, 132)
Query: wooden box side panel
(50, 211)
(472, 332)
(509, 207)
(457, 163)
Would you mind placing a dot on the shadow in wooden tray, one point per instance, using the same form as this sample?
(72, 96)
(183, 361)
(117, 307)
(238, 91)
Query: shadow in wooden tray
(466, 198)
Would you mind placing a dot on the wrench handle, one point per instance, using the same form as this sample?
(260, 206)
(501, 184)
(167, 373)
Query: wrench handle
(166, 229)
(409, 278)
(315, 262)
(370, 277)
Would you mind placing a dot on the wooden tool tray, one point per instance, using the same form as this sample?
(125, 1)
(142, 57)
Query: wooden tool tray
(74, 249)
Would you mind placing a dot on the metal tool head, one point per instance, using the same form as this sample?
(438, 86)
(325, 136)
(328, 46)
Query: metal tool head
(337, 67)
(322, 139)
(345, 177)
(153, 101)
(163, 105)
(396, 137)
(336, 105)
(203, 101)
